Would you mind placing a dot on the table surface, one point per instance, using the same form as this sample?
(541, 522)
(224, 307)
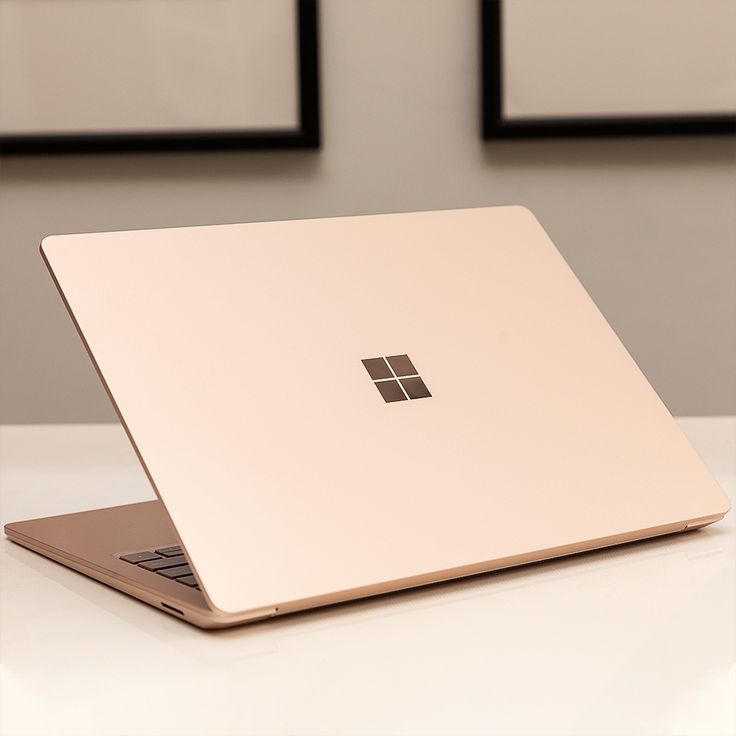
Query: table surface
(638, 639)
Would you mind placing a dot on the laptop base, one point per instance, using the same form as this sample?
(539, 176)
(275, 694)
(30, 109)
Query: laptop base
(92, 542)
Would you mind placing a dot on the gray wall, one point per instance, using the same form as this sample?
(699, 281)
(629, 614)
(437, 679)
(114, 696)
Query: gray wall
(648, 225)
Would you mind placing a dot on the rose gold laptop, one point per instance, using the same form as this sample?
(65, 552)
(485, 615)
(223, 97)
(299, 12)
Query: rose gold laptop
(334, 408)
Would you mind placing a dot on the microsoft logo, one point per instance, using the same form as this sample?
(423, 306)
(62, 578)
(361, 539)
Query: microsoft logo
(396, 378)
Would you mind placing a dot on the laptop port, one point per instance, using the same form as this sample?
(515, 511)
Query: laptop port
(171, 608)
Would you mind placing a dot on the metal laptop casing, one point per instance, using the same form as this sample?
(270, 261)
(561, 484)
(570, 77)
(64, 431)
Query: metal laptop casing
(233, 356)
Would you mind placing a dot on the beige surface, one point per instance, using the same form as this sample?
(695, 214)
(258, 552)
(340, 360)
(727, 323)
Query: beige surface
(630, 57)
(147, 65)
(648, 225)
(235, 364)
(635, 641)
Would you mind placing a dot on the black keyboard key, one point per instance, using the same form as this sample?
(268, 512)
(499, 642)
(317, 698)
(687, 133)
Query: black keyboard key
(164, 562)
(175, 572)
(138, 557)
(189, 580)
(169, 562)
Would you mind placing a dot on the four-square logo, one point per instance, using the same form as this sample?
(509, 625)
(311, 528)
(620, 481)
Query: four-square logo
(396, 378)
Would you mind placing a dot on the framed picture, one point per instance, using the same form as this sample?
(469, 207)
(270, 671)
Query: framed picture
(607, 67)
(153, 75)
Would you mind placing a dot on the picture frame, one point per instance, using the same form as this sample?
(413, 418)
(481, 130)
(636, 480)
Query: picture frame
(305, 135)
(498, 124)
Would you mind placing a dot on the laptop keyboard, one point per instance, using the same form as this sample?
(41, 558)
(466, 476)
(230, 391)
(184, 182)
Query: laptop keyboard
(166, 561)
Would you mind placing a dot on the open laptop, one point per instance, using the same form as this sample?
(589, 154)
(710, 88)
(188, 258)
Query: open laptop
(334, 408)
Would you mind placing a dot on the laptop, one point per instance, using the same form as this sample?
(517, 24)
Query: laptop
(330, 409)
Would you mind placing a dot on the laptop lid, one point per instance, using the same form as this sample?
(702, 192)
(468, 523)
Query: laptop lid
(248, 363)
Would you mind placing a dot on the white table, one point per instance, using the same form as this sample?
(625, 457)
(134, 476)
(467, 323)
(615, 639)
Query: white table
(634, 640)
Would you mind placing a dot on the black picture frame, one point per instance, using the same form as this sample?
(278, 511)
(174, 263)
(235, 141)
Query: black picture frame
(306, 135)
(495, 126)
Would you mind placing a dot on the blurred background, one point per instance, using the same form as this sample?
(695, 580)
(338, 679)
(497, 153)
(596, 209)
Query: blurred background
(647, 223)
